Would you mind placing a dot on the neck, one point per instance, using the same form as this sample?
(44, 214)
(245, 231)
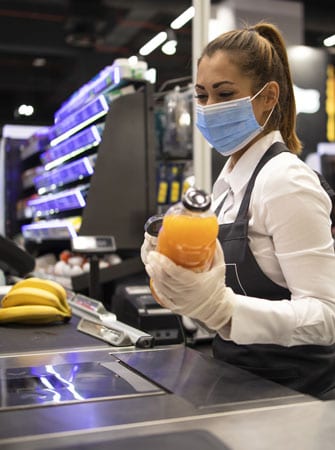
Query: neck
(236, 156)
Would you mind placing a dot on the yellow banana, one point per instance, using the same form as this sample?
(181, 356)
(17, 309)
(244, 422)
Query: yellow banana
(32, 314)
(32, 296)
(48, 285)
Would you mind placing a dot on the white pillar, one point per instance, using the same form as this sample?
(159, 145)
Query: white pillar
(201, 150)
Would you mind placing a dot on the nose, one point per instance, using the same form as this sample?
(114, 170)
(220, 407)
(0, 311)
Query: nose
(211, 100)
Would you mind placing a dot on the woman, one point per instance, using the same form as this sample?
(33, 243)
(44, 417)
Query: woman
(271, 297)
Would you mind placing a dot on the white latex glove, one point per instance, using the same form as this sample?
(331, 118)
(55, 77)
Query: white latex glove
(201, 296)
(149, 244)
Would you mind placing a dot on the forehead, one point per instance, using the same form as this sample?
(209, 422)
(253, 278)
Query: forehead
(219, 67)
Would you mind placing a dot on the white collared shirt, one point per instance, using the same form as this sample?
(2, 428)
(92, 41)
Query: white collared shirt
(290, 237)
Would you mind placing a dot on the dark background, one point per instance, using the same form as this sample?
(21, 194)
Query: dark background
(78, 38)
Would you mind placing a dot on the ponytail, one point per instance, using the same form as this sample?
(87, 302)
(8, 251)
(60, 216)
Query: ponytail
(286, 102)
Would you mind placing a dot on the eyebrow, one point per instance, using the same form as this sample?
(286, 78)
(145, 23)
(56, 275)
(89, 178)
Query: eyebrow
(215, 85)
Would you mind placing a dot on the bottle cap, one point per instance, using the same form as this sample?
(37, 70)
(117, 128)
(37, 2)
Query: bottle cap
(153, 224)
(196, 200)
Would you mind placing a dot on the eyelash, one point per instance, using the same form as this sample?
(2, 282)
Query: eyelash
(222, 95)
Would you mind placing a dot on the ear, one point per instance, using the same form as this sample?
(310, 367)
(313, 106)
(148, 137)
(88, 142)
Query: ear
(271, 95)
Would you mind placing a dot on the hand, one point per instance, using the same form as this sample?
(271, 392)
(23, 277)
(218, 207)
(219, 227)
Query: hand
(201, 296)
(149, 244)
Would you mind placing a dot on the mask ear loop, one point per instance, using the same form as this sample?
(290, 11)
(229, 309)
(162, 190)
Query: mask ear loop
(257, 93)
(268, 118)
(270, 114)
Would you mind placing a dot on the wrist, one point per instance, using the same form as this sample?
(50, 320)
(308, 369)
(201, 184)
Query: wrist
(222, 311)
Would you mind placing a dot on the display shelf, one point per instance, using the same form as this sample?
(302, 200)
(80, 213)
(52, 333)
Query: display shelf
(52, 204)
(29, 175)
(89, 113)
(68, 173)
(57, 229)
(112, 186)
(23, 210)
(102, 81)
(35, 144)
(74, 146)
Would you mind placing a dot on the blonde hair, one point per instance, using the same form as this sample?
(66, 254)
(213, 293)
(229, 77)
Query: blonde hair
(260, 52)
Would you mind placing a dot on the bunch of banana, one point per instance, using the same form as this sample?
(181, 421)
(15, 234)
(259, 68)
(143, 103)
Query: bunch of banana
(35, 301)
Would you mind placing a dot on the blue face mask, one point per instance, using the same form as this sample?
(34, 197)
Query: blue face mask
(229, 126)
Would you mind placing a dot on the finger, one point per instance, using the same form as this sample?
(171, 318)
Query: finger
(162, 281)
(171, 271)
(160, 297)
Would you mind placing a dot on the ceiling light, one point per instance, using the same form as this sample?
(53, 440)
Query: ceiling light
(25, 110)
(39, 62)
(155, 42)
(180, 21)
(169, 48)
(329, 41)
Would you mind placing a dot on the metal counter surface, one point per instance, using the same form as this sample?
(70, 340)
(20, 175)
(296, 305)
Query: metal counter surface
(60, 388)
(157, 385)
(206, 382)
(291, 427)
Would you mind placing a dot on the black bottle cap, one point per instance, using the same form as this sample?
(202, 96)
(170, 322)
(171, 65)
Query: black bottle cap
(196, 200)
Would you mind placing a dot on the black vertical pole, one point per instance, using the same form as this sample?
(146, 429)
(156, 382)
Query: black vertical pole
(94, 287)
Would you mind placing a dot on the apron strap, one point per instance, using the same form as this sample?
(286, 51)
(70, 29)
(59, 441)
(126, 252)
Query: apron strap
(274, 150)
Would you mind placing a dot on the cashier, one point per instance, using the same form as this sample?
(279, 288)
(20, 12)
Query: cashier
(270, 293)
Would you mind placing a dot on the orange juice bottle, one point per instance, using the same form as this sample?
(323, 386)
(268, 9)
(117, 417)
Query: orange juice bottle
(189, 231)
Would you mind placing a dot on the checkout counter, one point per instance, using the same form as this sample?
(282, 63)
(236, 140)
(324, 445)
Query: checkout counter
(64, 389)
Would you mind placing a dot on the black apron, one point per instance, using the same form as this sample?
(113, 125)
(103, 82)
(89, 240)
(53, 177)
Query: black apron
(306, 368)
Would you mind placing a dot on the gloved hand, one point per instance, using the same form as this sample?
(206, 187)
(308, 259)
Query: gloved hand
(201, 296)
(148, 245)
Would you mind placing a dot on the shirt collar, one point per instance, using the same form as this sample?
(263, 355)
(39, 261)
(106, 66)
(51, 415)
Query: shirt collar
(238, 177)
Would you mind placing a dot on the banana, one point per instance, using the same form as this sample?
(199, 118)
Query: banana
(32, 314)
(32, 296)
(48, 285)
(35, 301)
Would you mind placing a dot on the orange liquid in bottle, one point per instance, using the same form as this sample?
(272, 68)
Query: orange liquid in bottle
(189, 240)
(188, 233)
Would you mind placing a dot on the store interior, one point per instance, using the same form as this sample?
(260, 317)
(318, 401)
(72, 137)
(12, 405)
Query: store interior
(50, 49)
(97, 136)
